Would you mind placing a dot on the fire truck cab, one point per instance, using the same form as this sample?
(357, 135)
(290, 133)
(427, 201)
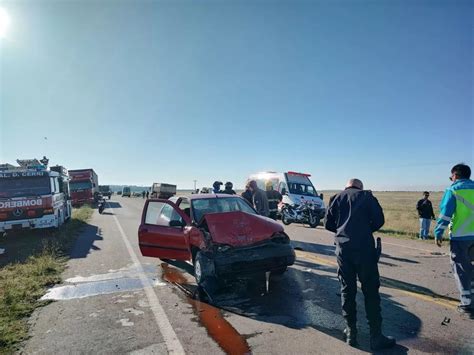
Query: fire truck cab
(33, 196)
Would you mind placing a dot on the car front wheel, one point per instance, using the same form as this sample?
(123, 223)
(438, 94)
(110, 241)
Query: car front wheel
(203, 268)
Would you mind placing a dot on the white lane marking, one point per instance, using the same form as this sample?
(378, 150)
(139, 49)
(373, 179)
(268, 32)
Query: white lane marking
(171, 340)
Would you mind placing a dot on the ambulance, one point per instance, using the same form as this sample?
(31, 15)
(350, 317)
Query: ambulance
(295, 187)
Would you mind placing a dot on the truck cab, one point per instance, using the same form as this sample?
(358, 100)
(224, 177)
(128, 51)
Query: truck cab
(33, 196)
(105, 191)
(84, 186)
(126, 192)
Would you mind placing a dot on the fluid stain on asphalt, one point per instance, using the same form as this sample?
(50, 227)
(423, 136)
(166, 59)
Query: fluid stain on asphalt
(223, 333)
(123, 280)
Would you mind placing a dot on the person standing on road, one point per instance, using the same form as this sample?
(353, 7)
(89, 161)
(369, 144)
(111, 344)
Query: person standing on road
(457, 211)
(354, 214)
(247, 194)
(228, 188)
(274, 198)
(147, 194)
(259, 199)
(426, 214)
(143, 193)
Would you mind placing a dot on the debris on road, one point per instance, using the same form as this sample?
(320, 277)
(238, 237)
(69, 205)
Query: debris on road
(446, 321)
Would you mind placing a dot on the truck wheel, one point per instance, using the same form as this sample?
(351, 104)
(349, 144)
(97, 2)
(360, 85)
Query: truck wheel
(61, 217)
(284, 217)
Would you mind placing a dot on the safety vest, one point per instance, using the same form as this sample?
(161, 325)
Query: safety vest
(457, 211)
(462, 224)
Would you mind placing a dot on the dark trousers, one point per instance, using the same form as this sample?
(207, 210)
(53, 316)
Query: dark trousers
(461, 261)
(353, 265)
(273, 215)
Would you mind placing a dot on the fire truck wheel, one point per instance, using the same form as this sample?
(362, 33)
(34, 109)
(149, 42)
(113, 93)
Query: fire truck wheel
(60, 218)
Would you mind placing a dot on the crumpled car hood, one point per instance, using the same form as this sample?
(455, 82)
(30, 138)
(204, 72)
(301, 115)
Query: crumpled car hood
(239, 229)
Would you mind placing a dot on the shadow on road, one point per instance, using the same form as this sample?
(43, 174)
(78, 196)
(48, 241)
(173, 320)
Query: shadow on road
(301, 298)
(403, 260)
(107, 213)
(85, 242)
(113, 205)
(22, 244)
(386, 282)
(330, 250)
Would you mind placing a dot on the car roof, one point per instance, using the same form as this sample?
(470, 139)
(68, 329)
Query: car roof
(206, 196)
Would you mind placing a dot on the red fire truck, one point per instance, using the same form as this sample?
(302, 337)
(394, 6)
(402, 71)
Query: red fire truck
(33, 196)
(84, 186)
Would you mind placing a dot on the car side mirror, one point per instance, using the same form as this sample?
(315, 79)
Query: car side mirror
(177, 223)
(321, 196)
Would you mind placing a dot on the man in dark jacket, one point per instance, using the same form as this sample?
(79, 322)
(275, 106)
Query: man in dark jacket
(354, 214)
(216, 187)
(247, 195)
(259, 199)
(274, 198)
(426, 214)
(228, 188)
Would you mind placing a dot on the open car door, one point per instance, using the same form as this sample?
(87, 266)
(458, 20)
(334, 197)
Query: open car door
(161, 232)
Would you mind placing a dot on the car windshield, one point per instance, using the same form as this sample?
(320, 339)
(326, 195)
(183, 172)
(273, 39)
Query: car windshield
(25, 186)
(301, 189)
(201, 207)
(80, 185)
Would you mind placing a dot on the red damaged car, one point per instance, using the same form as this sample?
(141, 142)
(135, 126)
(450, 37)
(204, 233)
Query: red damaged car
(221, 234)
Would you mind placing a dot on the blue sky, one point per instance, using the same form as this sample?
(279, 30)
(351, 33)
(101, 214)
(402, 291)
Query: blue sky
(172, 91)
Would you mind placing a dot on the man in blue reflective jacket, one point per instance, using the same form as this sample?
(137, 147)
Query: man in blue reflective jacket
(457, 212)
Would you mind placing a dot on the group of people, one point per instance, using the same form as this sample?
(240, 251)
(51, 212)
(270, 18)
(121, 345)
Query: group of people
(355, 214)
(265, 202)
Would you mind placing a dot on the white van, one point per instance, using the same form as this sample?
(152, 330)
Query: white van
(296, 188)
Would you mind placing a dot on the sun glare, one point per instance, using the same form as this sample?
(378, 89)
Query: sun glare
(4, 22)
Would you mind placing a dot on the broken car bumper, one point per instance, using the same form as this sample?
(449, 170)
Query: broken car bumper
(268, 257)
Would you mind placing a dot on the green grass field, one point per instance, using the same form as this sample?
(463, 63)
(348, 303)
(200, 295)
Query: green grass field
(401, 217)
(34, 261)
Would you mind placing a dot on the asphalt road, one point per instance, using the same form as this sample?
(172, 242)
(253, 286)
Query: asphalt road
(114, 300)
